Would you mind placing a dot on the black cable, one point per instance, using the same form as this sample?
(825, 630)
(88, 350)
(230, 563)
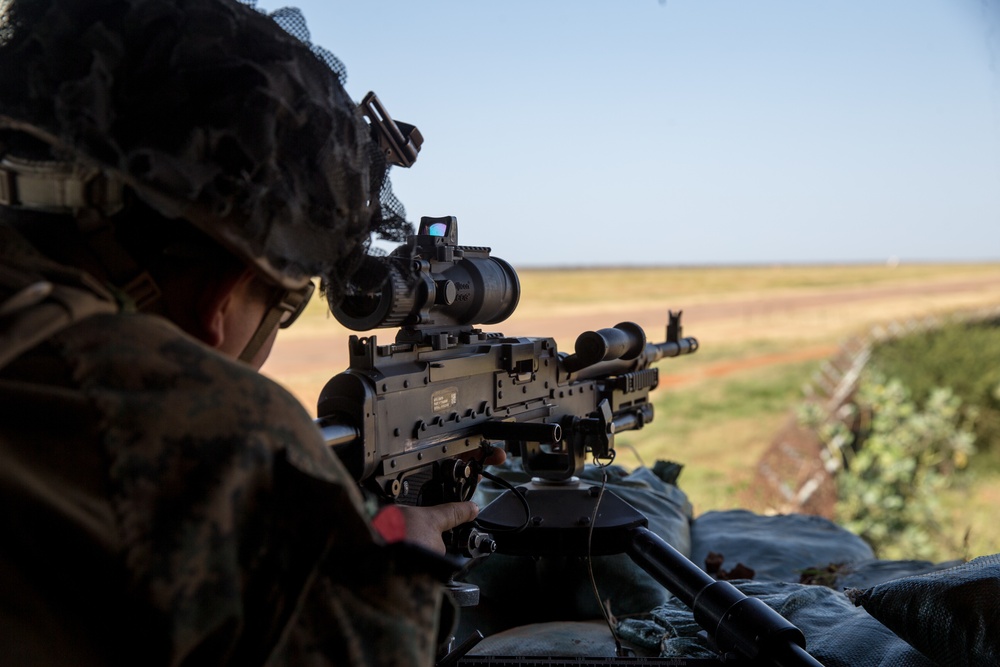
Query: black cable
(590, 559)
(520, 496)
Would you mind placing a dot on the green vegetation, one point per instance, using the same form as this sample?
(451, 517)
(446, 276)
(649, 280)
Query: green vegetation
(717, 427)
(926, 403)
(900, 456)
(742, 395)
(963, 357)
(906, 490)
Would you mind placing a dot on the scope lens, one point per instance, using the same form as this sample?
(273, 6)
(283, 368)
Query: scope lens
(437, 229)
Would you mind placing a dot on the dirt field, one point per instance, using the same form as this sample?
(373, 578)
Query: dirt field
(800, 323)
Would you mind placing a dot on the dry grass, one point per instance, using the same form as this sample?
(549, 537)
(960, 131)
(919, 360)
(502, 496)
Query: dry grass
(548, 292)
(734, 312)
(719, 426)
(544, 292)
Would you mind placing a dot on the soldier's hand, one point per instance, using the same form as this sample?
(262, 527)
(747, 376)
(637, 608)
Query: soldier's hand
(496, 457)
(424, 525)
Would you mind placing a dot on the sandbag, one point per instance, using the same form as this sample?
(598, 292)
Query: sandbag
(559, 638)
(836, 633)
(952, 616)
(865, 574)
(776, 548)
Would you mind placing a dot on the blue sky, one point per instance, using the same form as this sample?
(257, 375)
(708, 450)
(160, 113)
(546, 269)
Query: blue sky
(639, 132)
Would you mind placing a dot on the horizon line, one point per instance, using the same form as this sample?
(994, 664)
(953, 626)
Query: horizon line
(763, 264)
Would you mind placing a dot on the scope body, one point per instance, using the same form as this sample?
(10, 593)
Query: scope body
(432, 282)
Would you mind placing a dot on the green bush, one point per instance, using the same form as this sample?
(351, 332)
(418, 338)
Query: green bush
(898, 456)
(962, 357)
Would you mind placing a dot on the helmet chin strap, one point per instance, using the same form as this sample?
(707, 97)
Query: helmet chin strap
(91, 197)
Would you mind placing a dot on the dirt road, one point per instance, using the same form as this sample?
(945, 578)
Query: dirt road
(810, 320)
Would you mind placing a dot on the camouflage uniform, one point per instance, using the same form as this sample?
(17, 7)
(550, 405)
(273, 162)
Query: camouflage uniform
(165, 505)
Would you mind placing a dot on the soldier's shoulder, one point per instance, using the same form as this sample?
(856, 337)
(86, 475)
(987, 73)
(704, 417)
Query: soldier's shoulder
(145, 372)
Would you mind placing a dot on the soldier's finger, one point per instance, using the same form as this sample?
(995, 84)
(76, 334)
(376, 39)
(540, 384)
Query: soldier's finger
(455, 514)
(497, 457)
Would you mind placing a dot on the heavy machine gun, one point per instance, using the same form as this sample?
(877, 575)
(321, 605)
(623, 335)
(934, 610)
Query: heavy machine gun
(402, 412)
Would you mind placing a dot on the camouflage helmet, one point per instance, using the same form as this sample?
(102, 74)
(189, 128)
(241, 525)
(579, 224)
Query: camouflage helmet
(209, 111)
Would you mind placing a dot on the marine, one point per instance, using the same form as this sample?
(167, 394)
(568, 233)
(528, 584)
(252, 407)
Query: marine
(174, 174)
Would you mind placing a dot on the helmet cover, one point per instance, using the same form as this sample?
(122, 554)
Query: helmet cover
(210, 111)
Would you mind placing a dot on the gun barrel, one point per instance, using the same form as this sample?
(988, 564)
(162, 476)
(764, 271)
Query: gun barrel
(671, 349)
(734, 620)
(652, 353)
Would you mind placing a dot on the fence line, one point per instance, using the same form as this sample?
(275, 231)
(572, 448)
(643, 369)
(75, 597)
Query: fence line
(796, 482)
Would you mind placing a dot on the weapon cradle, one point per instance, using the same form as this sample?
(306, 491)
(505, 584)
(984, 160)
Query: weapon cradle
(746, 630)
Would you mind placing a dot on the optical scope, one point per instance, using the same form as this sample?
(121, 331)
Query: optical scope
(432, 282)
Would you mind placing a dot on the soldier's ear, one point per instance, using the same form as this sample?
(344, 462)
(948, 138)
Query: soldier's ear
(220, 306)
